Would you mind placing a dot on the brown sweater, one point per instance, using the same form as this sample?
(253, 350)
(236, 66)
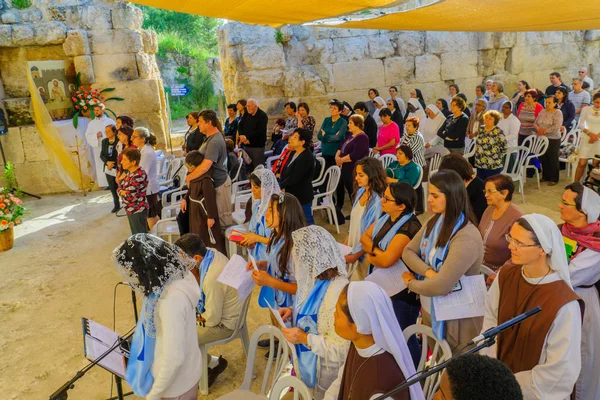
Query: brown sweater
(495, 246)
(365, 377)
(521, 346)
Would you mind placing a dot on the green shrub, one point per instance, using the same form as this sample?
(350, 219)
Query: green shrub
(21, 4)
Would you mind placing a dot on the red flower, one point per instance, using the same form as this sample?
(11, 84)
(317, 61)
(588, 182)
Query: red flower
(102, 97)
(85, 93)
(76, 106)
(4, 222)
(2, 206)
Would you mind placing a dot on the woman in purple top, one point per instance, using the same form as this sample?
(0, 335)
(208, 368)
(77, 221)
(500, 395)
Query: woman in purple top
(353, 149)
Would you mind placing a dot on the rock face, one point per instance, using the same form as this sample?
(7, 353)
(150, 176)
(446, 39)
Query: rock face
(105, 42)
(317, 64)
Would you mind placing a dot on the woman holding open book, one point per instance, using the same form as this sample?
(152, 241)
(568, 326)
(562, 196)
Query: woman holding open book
(447, 248)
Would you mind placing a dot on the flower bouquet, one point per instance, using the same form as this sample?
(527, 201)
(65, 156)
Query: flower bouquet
(87, 97)
(11, 209)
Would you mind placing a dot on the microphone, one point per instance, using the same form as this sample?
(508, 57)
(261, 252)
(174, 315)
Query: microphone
(504, 326)
(126, 284)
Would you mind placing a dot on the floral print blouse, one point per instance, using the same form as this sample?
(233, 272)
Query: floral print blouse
(491, 149)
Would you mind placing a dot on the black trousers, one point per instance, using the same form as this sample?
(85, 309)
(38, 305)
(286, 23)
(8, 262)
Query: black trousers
(346, 184)
(112, 186)
(549, 161)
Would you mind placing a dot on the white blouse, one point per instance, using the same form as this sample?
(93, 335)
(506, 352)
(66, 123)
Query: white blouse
(510, 126)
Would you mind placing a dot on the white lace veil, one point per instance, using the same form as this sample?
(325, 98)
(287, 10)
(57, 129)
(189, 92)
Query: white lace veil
(372, 312)
(268, 187)
(314, 252)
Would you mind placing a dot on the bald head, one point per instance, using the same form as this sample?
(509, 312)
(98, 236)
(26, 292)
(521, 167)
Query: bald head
(583, 71)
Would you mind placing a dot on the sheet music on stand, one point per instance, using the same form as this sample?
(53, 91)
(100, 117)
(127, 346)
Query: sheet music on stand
(97, 339)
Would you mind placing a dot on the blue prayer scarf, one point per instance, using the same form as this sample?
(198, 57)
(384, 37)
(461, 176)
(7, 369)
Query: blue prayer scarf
(258, 226)
(141, 357)
(306, 320)
(387, 238)
(370, 215)
(434, 257)
(276, 298)
(203, 269)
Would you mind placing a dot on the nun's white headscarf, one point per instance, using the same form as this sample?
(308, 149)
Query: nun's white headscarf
(314, 252)
(590, 204)
(379, 100)
(551, 240)
(372, 312)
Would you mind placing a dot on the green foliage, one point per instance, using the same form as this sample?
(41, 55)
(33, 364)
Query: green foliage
(278, 36)
(21, 4)
(10, 177)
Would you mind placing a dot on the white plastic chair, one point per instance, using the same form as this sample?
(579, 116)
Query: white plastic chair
(573, 137)
(239, 212)
(332, 177)
(416, 186)
(176, 197)
(537, 146)
(321, 165)
(276, 364)
(516, 170)
(240, 165)
(166, 229)
(434, 164)
(173, 165)
(441, 352)
(470, 150)
(290, 382)
(240, 332)
(236, 188)
(181, 173)
(373, 154)
(387, 159)
(486, 271)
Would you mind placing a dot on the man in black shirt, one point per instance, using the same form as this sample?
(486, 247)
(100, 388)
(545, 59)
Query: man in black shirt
(556, 83)
(370, 124)
(255, 133)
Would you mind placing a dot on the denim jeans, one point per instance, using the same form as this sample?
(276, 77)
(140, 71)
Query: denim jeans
(307, 209)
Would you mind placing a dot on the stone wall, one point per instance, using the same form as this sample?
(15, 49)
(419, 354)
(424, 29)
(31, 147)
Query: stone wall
(317, 64)
(105, 41)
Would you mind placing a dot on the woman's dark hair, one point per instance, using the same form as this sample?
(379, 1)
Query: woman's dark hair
(112, 128)
(459, 102)
(125, 120)
(211, 116)
(444, 103)
(565, 93)
(596, 96)
(527, 87)
(194, 158)
(406, 150)
(455, 86)
(373, 168)
(357, 120)
(482, 88)
(191, 244)
(195, 115)
(229, 145)
(231, 107)
(255, 179)
(553, 97)
(385, 112)
(577, 187)
(345, 307)
(280, 122)
(374, 91)
(457, 163)
(503, 182)
(328, 274)
(531, 92)
(292, 105)
(462, 96)
(404, 193)
(523, 223)
(127, 131)
(457, 203)
(133, 154)
(305, 106)
(337, 104)
(243, 102)
(291, 218)
(305, 135)
(421, 99)
(361, 105)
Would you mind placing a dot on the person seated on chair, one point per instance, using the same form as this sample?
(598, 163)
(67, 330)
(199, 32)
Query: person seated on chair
(263, 185)
(219, 307)
(370, 183)
(384, 242)
(201, 199)
(321, 274)
(165, 359)
(475, 185)
(276, 275)
(404, 169)
(477, 377)
(378, 359)
(580, 208)
(544, 352)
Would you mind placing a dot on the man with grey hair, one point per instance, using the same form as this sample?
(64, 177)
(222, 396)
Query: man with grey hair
(94, 134)
(255, 133)
(583, 74)
(579, 97)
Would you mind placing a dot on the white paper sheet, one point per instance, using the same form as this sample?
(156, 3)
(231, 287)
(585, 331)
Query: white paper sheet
(97, 341)
(390, 279)
(253, 261)
(466, 303)
(276, 315)
(235, 275)
(345, 249)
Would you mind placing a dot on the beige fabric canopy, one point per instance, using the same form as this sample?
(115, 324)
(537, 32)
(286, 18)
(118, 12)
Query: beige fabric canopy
(443, 15)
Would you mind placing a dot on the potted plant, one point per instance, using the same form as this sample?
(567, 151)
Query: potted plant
(11, 209)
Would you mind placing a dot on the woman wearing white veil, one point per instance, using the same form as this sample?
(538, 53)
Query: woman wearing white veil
(321, 276)
(543, 351)
(429, 129)
(378, 359)
(580, 208)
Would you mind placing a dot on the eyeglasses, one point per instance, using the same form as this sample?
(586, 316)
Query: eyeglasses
(564, 203)
(490, 191)
(385, 199)
(582, 72)
(516, 243)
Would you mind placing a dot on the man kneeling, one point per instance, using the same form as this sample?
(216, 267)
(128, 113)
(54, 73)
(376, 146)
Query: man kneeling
(219, 306)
